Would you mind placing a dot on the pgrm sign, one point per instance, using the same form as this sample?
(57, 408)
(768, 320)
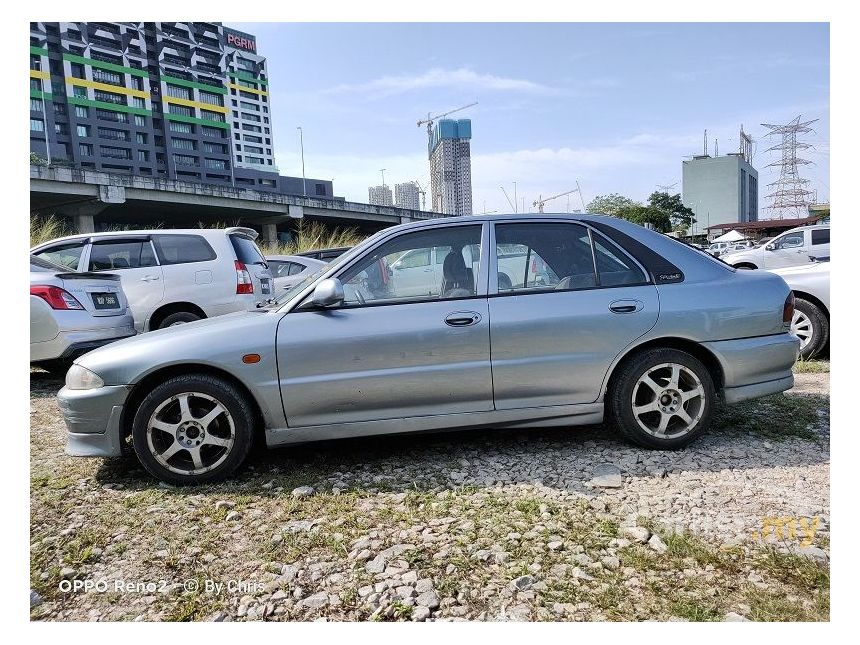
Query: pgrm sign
(241, 41)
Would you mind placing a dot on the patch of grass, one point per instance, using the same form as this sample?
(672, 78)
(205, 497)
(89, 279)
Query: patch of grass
(795, 569)
(693, 610)
(813, 366)
(774, 417)
(45, 229)
(309, 236)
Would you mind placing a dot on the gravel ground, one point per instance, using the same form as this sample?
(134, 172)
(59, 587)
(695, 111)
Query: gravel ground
(548, 524)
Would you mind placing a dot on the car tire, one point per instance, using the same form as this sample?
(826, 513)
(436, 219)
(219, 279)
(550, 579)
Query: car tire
(178, 318)
(662, 398)
(812, 327)
(181, 439)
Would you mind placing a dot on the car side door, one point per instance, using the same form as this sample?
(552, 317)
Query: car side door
(789, 249)
(820, 243)
(557, 329)
(133, 259)
(385, 352)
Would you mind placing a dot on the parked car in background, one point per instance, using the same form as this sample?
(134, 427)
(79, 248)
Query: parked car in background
(742, 245)
(624, 324)
(327, 255)
(288, 270)
(718, 248)
(792, 248)
(811, 321)
(72, 313)
(174, 276)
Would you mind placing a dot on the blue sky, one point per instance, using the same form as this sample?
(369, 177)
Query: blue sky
(615, 106)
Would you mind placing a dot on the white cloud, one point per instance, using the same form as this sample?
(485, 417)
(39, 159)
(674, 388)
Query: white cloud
(438, 78)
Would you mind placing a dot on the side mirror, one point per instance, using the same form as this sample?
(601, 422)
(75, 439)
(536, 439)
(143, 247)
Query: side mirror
(328, 293)
(769, 247)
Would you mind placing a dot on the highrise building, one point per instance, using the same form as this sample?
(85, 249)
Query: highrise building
(177, 100)
(406, 195)
(451, 166)
(379, 196)
(720, 190)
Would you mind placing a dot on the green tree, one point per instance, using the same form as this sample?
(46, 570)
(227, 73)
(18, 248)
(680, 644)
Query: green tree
(681, 216)
(638, 214)
(610, 204)
(36, 160)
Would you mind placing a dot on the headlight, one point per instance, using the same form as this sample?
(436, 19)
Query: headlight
(80, 378)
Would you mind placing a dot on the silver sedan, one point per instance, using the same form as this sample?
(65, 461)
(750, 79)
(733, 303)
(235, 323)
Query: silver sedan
(289, 270)
(598, 319)
(72, 313)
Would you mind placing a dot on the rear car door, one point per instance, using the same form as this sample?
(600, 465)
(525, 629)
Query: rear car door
(133, 259)
(576, 301)
(386, 353)
(820, 243)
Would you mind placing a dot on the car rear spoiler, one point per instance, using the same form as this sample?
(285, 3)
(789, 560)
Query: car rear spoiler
(88, 275)
(243, 231)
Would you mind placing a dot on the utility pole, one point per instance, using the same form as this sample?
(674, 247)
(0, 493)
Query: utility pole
(790, 193)
(515, 198)
(302, 143)
(382, 170)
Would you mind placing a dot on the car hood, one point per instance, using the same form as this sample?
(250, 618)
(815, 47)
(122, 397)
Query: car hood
(218, 342)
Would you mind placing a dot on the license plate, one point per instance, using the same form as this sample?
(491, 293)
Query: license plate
(105, 301)
(265, 287)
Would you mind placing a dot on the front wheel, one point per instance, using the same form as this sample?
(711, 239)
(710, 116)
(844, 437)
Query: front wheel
(193, 429)
(662, 398)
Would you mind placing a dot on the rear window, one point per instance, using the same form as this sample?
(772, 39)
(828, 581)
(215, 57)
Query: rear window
(246, 250)
(179, 249)
(821, 236)
(38, 264)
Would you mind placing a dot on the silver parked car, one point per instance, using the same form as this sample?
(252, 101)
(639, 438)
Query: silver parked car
(172, 276)
(811, 322)
(288, 270)
(72, 313)
(795, 247)
(619, 322)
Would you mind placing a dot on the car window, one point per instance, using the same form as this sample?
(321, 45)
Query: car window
(247, 251)
(40, 265)
(295, 268)
(544, 257)
(790, 240)
(400, 269)
(179, 249)
(614, 268)
(821, 236)
(66, 255)
(126, 254)
(279, 268)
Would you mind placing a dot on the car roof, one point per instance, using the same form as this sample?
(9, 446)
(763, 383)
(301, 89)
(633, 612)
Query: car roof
(293, 258)
(204, 232)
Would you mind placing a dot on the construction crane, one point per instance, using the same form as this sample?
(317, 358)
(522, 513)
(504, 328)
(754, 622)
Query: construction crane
(430, 119)
(539, 203)
(423, 194)
(666, 187)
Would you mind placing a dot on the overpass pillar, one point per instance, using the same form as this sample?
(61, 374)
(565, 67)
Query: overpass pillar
(83, 215)
(270, 233)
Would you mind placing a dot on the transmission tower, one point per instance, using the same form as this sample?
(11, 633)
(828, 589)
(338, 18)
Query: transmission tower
(790, 195)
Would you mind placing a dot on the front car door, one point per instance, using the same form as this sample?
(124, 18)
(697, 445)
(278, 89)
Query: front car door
(133, 260)
(789, 249)
(575, 301)
(392, 349)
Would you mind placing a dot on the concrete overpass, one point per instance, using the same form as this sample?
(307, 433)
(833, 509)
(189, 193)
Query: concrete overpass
(88, 196)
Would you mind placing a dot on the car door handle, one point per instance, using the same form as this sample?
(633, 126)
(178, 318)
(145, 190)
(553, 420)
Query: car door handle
(149, 278)
(462, 318)
(625, 306)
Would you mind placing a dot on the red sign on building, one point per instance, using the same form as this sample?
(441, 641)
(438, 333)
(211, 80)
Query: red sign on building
(241, 41)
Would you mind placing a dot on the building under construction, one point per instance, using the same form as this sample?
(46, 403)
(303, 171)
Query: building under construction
(449, 150)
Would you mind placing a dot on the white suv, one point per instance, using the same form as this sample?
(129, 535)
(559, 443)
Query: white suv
(172, 276)
(792, 248)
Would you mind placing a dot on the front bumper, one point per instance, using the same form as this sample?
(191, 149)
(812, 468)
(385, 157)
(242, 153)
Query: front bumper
(755, 367)
(93, 420)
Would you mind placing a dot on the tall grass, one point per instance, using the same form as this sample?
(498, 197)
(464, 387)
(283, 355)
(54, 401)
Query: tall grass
(45, 229)
(310, 236)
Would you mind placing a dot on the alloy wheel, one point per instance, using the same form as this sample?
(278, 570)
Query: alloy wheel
(801, 326)
(668, 400)
(190, 433)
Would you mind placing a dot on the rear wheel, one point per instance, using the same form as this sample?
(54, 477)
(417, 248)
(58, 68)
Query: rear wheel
(662, 398)
(810, 325)
(193, 429)
(178, 318)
